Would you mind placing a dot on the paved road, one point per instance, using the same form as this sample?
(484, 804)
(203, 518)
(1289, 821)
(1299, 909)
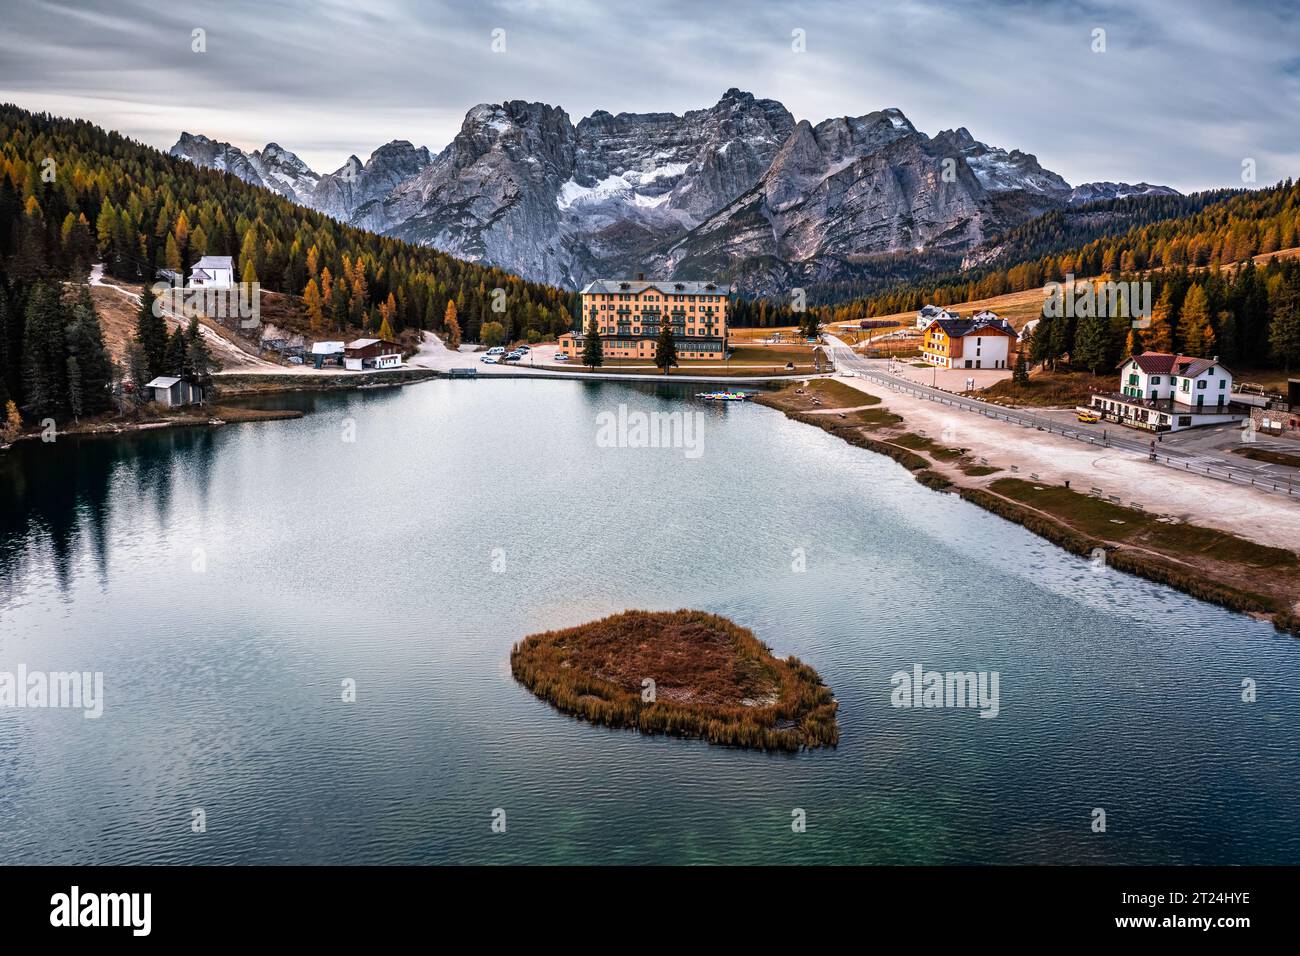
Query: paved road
(1272, 478)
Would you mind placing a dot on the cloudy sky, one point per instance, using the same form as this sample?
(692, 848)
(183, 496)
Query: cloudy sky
(1183, 92)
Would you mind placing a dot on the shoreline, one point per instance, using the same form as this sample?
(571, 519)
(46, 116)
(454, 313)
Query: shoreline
(1257, 579)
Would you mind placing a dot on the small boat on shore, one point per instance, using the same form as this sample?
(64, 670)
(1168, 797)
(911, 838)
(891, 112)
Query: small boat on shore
(723, 396)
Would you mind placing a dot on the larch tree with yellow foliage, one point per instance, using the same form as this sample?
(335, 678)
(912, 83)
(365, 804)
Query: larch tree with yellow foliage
(451, 326)
(311, 300)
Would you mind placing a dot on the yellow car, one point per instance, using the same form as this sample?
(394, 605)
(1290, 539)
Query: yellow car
(1089, 418)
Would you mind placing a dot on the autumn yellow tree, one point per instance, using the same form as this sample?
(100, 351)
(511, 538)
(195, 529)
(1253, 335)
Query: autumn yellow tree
(311, 301)
(198, 243)
(357, 284)
(12, 426)
(172, 256)
(451, 326)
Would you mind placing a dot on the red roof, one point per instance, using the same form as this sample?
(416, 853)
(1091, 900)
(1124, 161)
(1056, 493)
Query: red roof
(1167, 363)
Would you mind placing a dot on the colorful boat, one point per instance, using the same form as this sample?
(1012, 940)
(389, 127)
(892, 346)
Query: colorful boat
(723, 396)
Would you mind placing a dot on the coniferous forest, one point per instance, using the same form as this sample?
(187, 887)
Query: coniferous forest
(72, 194)
(1209, 297)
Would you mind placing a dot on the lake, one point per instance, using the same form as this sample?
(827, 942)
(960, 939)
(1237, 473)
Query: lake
(231, 584)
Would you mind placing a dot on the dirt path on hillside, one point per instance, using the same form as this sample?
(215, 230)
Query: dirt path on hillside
(120, 327)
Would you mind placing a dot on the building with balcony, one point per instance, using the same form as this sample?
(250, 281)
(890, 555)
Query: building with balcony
(631, 313)
(1162, 392)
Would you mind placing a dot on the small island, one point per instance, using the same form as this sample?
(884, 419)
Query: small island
(684, 673)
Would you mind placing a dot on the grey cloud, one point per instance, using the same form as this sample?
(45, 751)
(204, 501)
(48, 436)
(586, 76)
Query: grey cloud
(1185, 90)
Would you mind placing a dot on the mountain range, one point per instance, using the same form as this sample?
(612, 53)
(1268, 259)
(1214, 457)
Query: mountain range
(739, 191)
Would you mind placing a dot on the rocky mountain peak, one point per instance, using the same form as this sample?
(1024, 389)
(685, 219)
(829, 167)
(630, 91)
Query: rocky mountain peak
(202, 151)
(736, 190)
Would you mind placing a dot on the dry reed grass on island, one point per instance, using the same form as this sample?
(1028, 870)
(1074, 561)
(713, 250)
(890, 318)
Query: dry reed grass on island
(712, 679)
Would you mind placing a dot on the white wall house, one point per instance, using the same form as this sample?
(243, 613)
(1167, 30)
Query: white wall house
(967, 343)
(213, 272)
(1160, 391)
(928, 313)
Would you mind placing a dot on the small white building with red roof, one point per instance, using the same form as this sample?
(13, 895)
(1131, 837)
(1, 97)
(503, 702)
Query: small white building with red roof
(1162, 391)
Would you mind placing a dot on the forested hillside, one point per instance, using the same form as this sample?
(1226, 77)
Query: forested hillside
(1208, 295)
(72, 193)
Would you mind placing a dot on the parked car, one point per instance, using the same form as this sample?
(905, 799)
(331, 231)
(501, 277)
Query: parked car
(523, 348)
(496, 350)
(490, 359)
(560, 357)
(514, 356)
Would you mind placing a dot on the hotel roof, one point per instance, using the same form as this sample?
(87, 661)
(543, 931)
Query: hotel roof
(668, 286)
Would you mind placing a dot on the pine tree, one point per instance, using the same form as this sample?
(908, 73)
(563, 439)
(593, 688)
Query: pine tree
(593, 352)
(1020, 374)
(137, 370)
(90, 370)
(45, 370)
(1284, 329)
(11, 346)
(176, 361)
(665, 349)
(198, 358)
(1090, 343)
(151, 333)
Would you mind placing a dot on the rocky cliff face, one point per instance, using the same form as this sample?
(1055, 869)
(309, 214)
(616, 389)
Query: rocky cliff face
(846, 188)
(490, 196)
(211, 154)
(351, 191)
(1095, 192)
(999, 170)
(284, 172)
(737, 191)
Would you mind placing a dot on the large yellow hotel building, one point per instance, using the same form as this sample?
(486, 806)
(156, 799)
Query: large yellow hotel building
(630, 314)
